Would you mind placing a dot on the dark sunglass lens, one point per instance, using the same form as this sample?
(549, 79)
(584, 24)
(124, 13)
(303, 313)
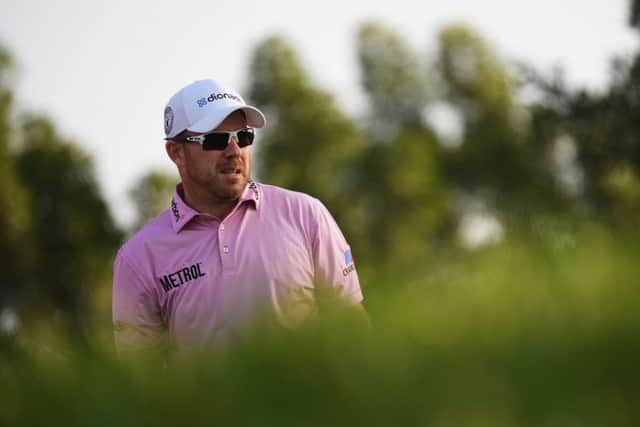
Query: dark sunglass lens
(245, 137)
(215, 141)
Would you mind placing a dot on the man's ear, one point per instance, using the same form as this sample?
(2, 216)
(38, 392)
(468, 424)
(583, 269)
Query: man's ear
(175, 152)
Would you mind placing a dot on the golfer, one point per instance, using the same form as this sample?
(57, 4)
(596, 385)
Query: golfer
(228, 250)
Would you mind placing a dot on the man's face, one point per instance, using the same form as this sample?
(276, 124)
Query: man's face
(220, 175)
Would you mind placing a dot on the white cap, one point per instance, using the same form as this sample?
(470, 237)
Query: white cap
(203, 105)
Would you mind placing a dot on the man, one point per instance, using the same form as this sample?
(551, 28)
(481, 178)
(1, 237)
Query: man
(228, 250)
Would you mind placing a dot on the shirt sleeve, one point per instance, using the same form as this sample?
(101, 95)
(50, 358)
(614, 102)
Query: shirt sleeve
(335, 270)
(137, 320)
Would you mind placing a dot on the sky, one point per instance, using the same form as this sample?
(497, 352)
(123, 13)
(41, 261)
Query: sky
(104, 70)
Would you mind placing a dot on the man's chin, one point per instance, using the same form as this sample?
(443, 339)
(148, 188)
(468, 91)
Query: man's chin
(231, 189)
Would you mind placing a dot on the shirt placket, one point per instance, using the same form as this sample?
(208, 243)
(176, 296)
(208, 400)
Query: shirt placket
(227, 240)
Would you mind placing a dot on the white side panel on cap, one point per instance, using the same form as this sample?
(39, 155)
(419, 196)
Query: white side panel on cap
(180, 120)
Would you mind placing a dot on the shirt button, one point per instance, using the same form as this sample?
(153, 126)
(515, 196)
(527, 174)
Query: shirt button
(221, 227)
(225, 249)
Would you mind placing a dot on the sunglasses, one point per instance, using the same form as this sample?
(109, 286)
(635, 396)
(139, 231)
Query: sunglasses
(218, 140)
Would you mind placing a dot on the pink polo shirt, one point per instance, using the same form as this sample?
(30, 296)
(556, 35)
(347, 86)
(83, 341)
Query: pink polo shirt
(189, 280)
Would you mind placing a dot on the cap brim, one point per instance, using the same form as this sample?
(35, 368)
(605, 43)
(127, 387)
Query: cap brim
(255, 119)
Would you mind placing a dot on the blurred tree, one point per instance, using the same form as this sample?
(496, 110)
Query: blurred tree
(404, 202)
(309, 144)
(605, 130)
(151, 195)
(14, 210)
(495, 162)
(392, 77)
(73, 233)
(635, 14)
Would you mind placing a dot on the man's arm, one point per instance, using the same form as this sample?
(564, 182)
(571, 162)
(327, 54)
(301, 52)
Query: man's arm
(337, 282)
(137, 322)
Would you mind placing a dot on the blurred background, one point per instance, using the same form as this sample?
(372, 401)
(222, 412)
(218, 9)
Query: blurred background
(482, 159)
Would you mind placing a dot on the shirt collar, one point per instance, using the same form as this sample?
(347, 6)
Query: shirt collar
(252, 193)
(182, 213)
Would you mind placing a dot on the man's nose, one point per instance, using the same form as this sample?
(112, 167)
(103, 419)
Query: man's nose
(232, 149)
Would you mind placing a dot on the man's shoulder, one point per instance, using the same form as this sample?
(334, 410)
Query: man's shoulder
(274, 194)
(292, 207)
(156, 229)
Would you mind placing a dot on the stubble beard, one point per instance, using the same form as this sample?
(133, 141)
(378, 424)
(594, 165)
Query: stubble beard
(227, 193)
(218, 187)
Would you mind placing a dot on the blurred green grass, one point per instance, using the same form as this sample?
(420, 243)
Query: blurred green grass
(527, 332)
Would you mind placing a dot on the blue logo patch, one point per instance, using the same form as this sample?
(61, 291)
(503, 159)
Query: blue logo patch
(347, 257)
(202, 102)
(348, 260)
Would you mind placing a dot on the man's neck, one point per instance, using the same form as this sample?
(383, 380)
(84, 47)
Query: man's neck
(205, 203)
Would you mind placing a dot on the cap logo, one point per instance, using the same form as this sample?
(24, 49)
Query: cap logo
(168, 120)
(215, 97)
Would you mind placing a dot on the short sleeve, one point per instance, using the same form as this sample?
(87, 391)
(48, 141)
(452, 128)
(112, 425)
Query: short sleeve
(137, 320)
(334, 265)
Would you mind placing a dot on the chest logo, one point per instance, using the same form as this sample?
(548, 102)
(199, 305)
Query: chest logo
(181, 277)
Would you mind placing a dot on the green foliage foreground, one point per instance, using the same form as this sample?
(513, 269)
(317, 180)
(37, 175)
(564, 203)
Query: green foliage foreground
(539, 334)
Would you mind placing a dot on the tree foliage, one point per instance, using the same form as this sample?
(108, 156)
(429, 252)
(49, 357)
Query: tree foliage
(398, 188)
(403, 199)
(151, 195)
(635, 14)
(14, 207)
(495, 161)
(604, 128)
(72, 231)
(59, 236)
(392, 77)
(309, 144)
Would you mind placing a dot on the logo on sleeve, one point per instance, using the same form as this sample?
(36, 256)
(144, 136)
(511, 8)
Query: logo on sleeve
(181, 277)
(348, 261)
